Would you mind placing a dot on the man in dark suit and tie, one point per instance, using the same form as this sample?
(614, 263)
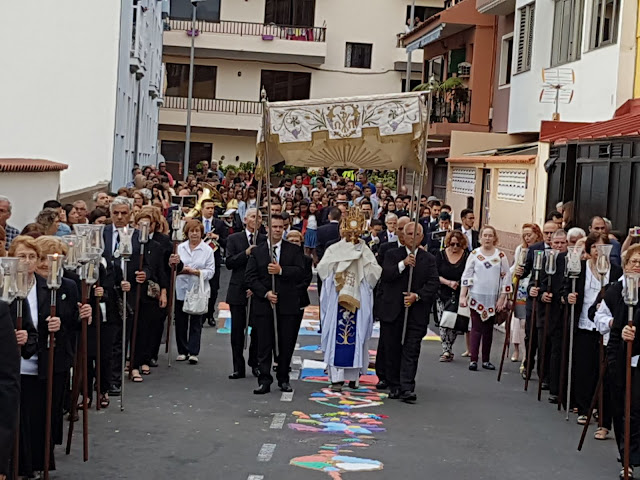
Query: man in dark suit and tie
(402, 354)
(327, 233)
(287, 270)
(468, 218)
(216, 233)
(239, 248)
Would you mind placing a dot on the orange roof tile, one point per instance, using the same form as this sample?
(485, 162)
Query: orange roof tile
(30, 165)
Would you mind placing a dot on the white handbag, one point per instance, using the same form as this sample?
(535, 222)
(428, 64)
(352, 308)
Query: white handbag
(196, 301)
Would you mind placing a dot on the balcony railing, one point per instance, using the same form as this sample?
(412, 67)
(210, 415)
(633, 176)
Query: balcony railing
(267, 32)
(452, 106)
(218, 105)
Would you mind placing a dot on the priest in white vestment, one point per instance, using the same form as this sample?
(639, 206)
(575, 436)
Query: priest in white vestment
(349, 273)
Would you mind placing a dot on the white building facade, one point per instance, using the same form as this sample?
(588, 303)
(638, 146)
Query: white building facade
(69, 79)
(594, 38)
(296, 49)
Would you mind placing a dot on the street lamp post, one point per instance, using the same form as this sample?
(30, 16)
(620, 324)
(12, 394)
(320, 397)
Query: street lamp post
(187, 143)
(413, 20)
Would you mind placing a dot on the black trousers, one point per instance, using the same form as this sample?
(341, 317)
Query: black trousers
(158, 332)
(586, 366)
(116, 355)
(150, 320)
(107, 338)
(530, 363)
(401, 360)
(555, 358)
(214, 284)
(617, 397)
(188, 331)
(544, 376)
(238, 324)
(287, 336)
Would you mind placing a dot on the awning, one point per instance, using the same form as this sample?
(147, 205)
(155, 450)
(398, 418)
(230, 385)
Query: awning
(521, 159)
(382, 132)
(427, 38)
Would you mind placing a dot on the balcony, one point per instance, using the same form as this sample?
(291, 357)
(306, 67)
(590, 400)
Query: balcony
(217, 113)
(496, 7)
(248, 41)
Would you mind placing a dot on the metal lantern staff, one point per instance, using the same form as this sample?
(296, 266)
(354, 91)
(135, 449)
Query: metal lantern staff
(265, 131)
(538, 262)
(603, 266)
(256, 231)
(54, 282)
(124, 251)
(630, 294)
(8, 293)
(176, 238)
(550, 258)
(143, 238)
(520, 262)
(423, 173)
(96, 240)
(573, 270)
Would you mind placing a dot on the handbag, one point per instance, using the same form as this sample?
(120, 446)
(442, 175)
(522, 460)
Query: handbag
(449, 314)
(196, 301)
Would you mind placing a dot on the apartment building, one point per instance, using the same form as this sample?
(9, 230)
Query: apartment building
(296, 49)
(79, 88)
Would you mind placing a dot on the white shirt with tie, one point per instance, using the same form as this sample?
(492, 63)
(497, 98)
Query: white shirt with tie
(469, 235)
(208, 224)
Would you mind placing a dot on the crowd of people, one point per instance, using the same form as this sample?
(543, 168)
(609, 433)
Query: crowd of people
(396, 259)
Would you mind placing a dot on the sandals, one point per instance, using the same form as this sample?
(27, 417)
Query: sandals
(466, 354)
(601, 434)
(630, 472)
(104, 400)
(145, 370)
(582, 420)
(446, 357)
(515, 357)
(135, 376)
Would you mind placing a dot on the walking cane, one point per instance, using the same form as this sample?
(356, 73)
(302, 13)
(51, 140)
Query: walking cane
(538, 259)
(573, 269)
(630, 294)
(143, 238)
(54, 282)
(563, 361)
(550, 270)
(176, 237)
(125, 249)
(520, 262)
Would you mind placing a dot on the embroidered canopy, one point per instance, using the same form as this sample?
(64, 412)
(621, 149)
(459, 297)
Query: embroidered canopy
(382, 132)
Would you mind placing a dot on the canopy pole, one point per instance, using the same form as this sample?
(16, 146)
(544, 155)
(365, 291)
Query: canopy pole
(267, 172)
(416, 213)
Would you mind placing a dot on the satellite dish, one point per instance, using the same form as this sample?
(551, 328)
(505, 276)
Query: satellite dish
(557, 87)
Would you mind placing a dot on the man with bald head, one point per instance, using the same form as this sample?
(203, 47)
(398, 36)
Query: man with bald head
(402, 352)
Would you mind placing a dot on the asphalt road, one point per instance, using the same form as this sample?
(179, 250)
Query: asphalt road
(192, 422)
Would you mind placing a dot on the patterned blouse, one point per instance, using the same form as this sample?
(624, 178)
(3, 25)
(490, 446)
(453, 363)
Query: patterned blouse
(486, 277)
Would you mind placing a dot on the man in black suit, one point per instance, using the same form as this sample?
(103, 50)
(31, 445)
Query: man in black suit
(550, 293)
(239, 248)
(391, 224)
(327, 233)
(435, 242)
(402, 354)
(548, 230)
(468, 218)
(216, 233)
(287, 270)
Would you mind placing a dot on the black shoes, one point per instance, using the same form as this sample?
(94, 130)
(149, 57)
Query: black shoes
(408, 397)
(115, 391)
(354, 385)
(262, 389)
(285, 387)
(153, 362)
(382, 385)
(255, 371)
(236, 376)
(545, 386)
(394, 394)
(211, 322)
(473, 366)
(553, 399)
(488, 366)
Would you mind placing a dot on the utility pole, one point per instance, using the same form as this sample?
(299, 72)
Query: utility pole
(187, 143)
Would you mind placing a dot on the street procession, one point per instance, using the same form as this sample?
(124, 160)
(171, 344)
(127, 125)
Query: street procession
(236, 244)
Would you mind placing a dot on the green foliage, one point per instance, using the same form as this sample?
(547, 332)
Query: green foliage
(452, 84)
(233, 168)
(389, 178)
(247, 166)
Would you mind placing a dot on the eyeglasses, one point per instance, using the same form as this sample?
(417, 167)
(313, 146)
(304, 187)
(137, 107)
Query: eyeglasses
(635, 262)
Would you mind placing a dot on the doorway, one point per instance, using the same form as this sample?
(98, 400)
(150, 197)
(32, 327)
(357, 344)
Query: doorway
(485, 217)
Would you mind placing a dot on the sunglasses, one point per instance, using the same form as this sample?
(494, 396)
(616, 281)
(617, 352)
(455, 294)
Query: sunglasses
(454, 244)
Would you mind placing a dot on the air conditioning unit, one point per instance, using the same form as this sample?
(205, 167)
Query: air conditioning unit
(464, 69)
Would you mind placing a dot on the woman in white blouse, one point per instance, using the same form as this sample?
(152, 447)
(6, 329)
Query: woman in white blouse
(486, 282)
(194, 259)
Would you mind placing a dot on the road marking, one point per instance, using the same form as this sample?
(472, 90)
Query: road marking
(294, 375)
(255, 477)
(266, 452)
(296, 360)
(286, 396)
(278, 421)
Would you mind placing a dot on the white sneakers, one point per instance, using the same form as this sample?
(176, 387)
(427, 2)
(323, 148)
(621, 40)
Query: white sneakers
(193, 359)
(181, 358)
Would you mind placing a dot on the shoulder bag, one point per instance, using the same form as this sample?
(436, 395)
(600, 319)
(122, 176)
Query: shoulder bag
(196, 301)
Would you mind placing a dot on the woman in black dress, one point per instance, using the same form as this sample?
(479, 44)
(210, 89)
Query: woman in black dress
(451, 262)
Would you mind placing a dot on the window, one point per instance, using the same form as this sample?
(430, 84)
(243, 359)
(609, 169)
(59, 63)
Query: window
(204, 80)
(506, 59)
(173, 153)
(412, 84)
(299, 13)
(463, 181)
(440, 178)
(183, 10)
(604, 23)
(456, 57)
(512, 184)
(525, 37)
(567, 31)
(434, 68)
(358, 55)
(284, 86)
(422, 13)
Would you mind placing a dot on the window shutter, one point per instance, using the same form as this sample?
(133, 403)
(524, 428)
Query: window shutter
(522, 30)
(530, 11)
